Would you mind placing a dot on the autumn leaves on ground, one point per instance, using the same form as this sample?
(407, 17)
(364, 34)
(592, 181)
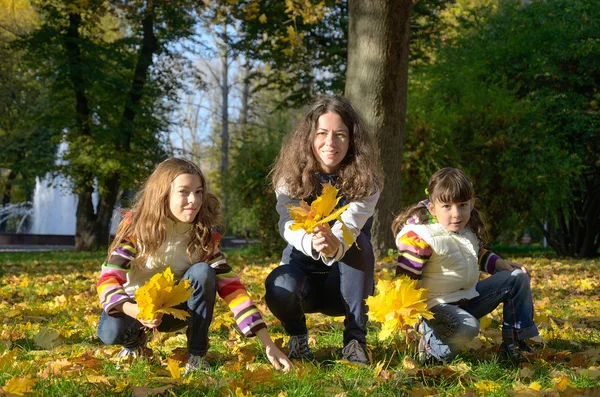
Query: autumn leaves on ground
(49, 312)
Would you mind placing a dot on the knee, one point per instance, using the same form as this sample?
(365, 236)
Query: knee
(108, 335)
(281, 284)
(201, 275)
(520, 277)
(469, 328)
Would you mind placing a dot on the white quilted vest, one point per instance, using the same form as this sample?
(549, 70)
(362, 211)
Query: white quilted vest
(453, 270)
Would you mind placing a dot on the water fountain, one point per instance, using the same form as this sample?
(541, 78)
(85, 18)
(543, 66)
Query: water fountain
(52, 214)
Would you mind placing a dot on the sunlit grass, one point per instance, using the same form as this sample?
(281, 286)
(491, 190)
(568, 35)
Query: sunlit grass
(56, 290)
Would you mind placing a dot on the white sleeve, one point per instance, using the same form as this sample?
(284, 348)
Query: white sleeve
(299, 239)
(355, 217)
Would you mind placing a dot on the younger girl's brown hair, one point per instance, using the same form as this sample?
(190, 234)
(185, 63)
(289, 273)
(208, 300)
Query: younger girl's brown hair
(448, 185)
(147, 220)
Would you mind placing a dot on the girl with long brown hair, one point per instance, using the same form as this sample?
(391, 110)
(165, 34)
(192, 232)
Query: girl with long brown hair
(319, 271)
(172, 225)
(441, 241)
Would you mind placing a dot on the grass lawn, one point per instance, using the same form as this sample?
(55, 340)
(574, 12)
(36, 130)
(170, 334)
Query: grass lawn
(48, 345)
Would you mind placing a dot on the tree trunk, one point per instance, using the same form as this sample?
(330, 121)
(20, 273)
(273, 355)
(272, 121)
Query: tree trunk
(224, 116)
(576, 233)
(243, 121)
(7, 195)
(85, 235)
(376, 84)
(85, 229)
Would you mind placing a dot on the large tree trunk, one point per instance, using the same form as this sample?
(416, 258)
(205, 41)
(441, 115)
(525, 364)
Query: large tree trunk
(376, 84)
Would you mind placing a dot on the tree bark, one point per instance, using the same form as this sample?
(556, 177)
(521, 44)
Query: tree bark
(376, 84)
(92, 228)
(85, 218)
(224, 116)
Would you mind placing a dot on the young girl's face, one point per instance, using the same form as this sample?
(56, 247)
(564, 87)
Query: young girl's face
(185, 197)
(452, 216)
(331, 142)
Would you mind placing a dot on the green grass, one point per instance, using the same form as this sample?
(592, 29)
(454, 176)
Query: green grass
(57, 290)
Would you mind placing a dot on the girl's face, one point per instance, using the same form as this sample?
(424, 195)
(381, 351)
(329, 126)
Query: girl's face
(185, 197)
(331, 142)
(452, 216)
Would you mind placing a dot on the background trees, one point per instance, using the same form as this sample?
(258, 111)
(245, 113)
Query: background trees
(513, 99)
(507, 90)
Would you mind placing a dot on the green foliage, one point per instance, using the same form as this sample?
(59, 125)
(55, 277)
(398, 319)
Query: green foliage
(252, 200)
(513, 101)
(28, 143)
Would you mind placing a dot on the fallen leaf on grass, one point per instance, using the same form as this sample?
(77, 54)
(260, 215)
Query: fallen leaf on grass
(7, 360)
(410, 365)
(16, 386)
(47, 338)
(526, 373)
(486, 387)
(100, 378)
(561, 383)
(423, 392)
(240, 393)
(591, 372)
(139, 391)
(173, 366)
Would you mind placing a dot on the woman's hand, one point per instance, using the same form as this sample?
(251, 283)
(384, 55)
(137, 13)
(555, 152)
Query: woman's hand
(133, 310)
(324, 241)
(502, 264)
(275, 356)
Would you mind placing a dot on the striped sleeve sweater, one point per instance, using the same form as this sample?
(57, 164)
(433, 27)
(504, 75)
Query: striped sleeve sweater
(113, 277)
(414, 252)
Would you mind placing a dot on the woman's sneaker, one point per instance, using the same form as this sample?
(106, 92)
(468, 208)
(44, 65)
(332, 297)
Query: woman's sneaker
(195, 363)
(510, 352)
(298, 348)
(355, 353)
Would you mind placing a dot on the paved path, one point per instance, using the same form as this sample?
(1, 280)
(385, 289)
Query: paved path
(38, 248)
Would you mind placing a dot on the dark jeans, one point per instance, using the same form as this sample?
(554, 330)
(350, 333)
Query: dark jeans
(129, 332)
(455, 324)
(302, 286)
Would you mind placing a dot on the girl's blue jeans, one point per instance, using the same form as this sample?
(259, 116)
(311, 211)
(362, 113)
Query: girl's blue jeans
(455, 324)
(302, 286)
(130, 333)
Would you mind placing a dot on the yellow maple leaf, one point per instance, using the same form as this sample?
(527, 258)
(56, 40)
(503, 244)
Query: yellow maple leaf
(320, 212)
(262, 18)
(240, 393)
(173, 366)
(486, 386)
(18, 386)
(397, 303)
(160, 294)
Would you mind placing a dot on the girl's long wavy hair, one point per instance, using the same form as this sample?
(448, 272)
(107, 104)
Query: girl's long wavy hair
(448, 185)
(147, 219)
(296, 166)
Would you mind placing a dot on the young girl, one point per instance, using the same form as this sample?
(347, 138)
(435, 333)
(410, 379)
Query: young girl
(440, 241)
(171, 225)
(319, 272)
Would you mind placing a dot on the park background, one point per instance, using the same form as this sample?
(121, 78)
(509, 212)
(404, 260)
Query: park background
(506, 90)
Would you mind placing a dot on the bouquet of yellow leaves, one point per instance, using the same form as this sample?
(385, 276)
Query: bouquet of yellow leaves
(398, 303)
(160, 294)
(321, 211)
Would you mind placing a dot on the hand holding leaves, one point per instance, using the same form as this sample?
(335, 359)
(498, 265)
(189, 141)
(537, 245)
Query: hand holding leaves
(320, 212)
